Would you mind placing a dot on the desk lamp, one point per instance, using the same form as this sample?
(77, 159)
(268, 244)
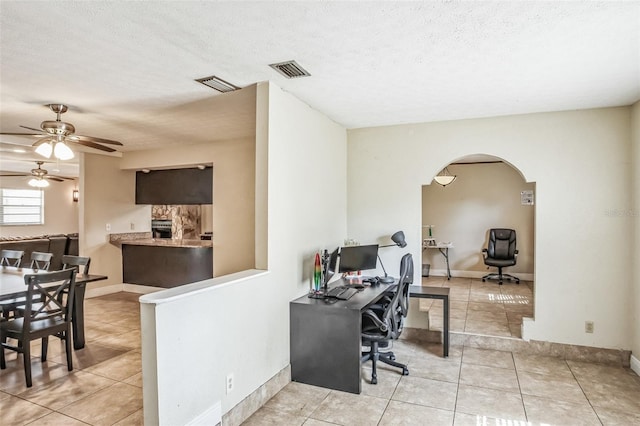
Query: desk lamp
(398, 239)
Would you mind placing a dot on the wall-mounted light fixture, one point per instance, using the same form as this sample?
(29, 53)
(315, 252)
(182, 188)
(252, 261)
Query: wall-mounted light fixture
(76, 195)
(444, 178)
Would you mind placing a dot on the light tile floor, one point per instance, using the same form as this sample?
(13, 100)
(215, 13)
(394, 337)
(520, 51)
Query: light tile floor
(105, 386)
(481, 307)
(471, 387)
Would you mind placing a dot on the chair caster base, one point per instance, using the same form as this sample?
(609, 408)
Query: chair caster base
(374, 381)
(405, 371)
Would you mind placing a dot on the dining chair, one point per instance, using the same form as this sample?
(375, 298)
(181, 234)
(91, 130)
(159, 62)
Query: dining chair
(51, 317)
(41, 261)
(11, 258)
(69, 261)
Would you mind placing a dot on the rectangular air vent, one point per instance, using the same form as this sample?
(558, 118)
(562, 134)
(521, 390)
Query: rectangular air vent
(290, 69)
(218, 84)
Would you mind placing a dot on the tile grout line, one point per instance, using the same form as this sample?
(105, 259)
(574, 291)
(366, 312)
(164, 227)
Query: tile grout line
(524, 407)
(583, 392)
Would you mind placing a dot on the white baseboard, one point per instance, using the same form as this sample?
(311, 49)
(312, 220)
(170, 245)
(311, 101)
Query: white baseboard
(140, 289)
(635, 364)
(101, 291)
(474, 274)
(211, 417)
(115, 288)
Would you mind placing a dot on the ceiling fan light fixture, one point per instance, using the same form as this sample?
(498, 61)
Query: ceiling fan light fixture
(38, 183)
(45, 149)
(62, 151)
(445, 178)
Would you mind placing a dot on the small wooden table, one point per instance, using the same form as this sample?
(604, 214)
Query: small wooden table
(12, 285)
(442, 293)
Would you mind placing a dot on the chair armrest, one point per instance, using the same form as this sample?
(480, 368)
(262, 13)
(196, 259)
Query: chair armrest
(376, 320)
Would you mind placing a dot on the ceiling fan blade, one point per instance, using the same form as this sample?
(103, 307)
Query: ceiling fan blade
(35, 130)
(97, 140)
(54, 178)
(92, 145)
(22, 134)
(14, 174)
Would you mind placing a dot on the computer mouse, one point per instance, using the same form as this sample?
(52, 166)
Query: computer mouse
(358, 286)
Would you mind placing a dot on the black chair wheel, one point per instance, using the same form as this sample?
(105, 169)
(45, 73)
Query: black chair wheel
(374, 381)
(483, 280)
(392, 357)
(405, 371)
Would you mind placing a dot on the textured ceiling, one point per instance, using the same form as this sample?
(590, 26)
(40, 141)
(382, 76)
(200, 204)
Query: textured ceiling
(127, 69)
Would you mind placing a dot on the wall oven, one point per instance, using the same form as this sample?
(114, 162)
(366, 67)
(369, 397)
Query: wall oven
(161, 228)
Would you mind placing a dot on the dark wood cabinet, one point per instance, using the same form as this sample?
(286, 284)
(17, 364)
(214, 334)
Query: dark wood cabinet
(175, 186)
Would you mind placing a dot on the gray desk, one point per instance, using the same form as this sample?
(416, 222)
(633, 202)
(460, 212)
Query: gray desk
(325, 339)
(442, 293)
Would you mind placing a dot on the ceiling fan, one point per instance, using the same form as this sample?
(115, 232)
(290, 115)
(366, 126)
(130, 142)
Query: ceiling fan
(40, 176)
(55, 135)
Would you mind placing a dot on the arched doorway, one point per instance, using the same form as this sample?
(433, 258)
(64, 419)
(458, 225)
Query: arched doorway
(487, 193)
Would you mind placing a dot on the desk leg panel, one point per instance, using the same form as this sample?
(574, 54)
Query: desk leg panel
(325, 346)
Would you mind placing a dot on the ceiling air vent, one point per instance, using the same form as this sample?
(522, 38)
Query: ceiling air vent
(218, 84)
(290, 69)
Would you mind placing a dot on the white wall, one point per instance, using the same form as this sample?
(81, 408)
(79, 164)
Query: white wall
(580, 161)
(483, 196)
(635, 217)
(107, 196)
(60, 212)
(243, 327)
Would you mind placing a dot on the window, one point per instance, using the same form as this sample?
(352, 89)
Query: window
(21, 207)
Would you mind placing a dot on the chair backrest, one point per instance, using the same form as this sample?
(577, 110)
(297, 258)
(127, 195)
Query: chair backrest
(69, 261)
(41, 261)
(53, 294)
(397, 310)
(502, 243)
(11, 258)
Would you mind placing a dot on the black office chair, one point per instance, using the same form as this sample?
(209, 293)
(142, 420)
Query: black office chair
(500, 252)
(52, 317)
(379, 327)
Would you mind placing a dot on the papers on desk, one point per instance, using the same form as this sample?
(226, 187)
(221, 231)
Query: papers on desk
(434, 244)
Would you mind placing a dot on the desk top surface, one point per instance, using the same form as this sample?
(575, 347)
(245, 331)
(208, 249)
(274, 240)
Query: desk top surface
(360, 300)
(428, 291)
(438, 245)
(12, 279)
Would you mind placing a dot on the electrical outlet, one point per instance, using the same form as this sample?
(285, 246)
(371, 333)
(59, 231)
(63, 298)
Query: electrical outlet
(108, 227)
(229, 383)
(588, 326)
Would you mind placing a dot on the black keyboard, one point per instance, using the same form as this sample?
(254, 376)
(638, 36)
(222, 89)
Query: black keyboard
(342, 293)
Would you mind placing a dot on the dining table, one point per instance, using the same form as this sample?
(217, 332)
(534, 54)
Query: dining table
(12, 285)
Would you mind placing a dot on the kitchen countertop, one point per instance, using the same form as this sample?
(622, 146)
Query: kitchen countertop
(166, 242)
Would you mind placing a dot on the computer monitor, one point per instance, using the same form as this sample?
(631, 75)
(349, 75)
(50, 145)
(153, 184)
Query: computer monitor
(330, 266)
(358, 258)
